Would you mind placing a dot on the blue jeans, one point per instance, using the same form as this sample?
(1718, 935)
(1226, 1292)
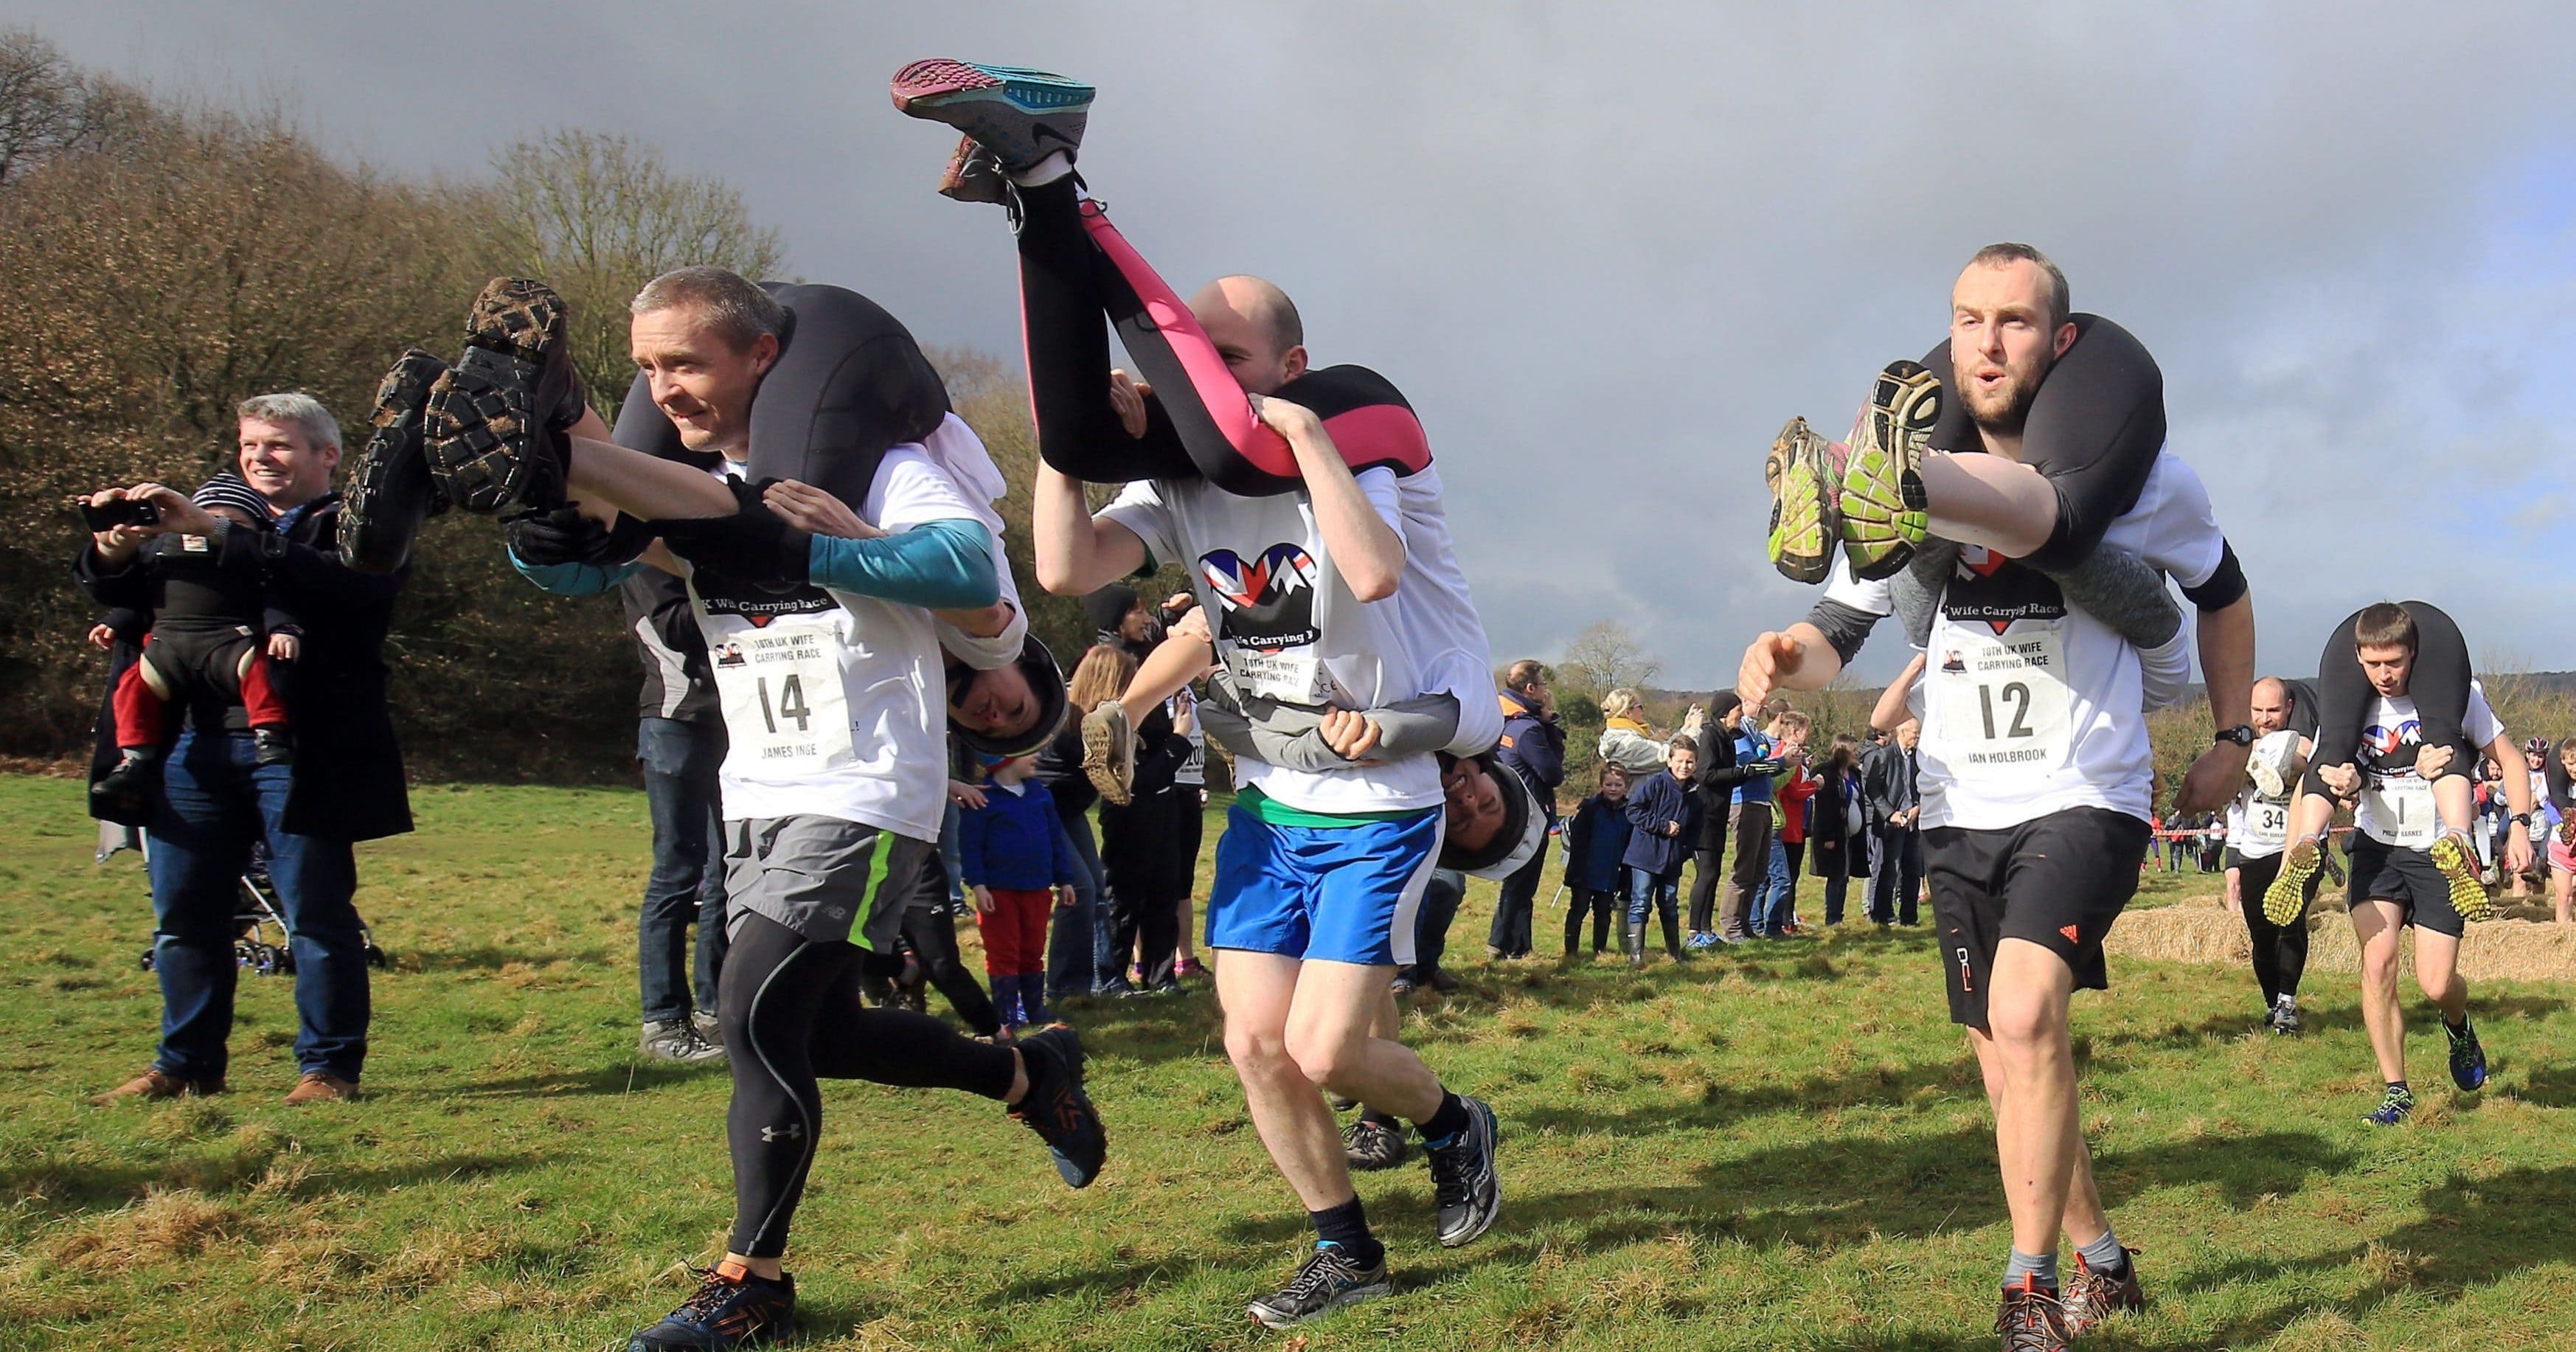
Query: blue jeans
(1653, 891)
(1778, 905)
(215, 800)
(1077, 945)
(680, 760)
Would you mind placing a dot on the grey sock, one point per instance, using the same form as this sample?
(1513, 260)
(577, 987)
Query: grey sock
(2042, 1266)
(2121, 590)
(2104, 1254)
(1916, 591)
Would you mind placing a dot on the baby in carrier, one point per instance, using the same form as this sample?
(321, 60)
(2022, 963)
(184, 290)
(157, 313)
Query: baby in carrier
(210, 641)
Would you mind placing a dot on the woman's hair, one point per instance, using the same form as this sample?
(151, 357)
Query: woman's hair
(1102, 673)
(1846, 749)
(1621, 703)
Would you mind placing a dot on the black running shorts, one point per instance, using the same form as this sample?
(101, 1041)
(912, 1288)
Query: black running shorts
(2058, 882)
(2382, 872)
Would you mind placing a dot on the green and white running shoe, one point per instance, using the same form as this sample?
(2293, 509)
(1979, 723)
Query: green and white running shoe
(2469, 895)
(1882, 501)
(1805, 522)
(2285, 902)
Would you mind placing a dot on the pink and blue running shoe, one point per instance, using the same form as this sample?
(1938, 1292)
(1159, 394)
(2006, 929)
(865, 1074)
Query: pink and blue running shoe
(1021, 116)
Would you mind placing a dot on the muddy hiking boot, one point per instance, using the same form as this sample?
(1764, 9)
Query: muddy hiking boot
(390, 489)
(496, 418)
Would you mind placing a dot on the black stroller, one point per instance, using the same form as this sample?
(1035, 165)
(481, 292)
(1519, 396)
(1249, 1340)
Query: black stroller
(258, 914)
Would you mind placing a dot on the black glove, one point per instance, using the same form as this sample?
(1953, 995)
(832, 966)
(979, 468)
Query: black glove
(566, 536)
(753, 545)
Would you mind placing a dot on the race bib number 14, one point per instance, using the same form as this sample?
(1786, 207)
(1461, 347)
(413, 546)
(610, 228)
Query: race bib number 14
(2003, 702)
(783, 702)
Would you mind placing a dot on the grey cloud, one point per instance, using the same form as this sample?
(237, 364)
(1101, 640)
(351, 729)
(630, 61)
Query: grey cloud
(1609, 249)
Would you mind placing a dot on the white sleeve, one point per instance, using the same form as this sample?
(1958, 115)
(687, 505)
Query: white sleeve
(1480, 711)
(1843, 589)
(1141, 509)
(1383, 493)
(910, 491)
(2481, 726)
(2165, 672)
(2183, 538)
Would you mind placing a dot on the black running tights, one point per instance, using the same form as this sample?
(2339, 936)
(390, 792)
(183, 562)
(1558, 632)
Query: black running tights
(2439, 685)
(791, 1014)
(2280, 951)
(1708, 869)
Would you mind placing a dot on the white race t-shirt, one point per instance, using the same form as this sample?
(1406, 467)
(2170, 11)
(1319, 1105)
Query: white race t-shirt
(1287, 626)
(2396, 806)
(2030, 708)
(2259, 827)
(1438, 617)
(834, 703)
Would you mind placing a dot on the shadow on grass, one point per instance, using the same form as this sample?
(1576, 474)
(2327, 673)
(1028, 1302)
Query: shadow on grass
(2231, 1026)
(57, 1194)
(625, 1077)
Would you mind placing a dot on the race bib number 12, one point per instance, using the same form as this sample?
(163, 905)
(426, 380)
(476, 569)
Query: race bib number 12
(2003, 702)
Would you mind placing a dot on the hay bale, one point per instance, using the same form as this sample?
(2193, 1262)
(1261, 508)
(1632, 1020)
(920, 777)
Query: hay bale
(2525, 945)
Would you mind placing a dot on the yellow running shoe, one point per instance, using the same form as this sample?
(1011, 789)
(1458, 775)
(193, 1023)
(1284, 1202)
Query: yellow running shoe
(1882, 497)
(2459, 867)
(2285, 902)
(1804, 522)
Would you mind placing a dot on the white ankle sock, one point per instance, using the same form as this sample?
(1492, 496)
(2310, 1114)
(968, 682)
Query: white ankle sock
(1056, 165)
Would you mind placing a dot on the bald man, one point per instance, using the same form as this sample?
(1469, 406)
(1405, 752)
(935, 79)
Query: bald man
(1320, 872)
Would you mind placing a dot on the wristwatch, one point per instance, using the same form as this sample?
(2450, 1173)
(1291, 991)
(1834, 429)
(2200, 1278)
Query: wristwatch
(2241, 734)
(2521, 819)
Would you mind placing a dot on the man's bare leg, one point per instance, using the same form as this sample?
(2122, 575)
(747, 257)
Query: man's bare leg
(1331, 1034)
(1258, 992)
(2377, 924)
(2036, 1132)
(2437, 971)
(2084, 1220)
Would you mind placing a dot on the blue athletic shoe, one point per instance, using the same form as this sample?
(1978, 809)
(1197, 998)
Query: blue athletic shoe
(1021, 116)
(731, 1308)
(2468, 1059)
(2394, 1107)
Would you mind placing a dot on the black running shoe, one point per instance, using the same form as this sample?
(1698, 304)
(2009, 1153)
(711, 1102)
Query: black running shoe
(496, 418)
(2031, 1319)
(2094, 1295)
(1371, 1145)
(2468, 1059)
(730, 1308)
(1020, 115)
(1056, 1108)
(1463, 1177)
(1327, 1281)
(390, 493)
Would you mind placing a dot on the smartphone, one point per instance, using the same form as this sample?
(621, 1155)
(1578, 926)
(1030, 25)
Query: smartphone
(107, 516)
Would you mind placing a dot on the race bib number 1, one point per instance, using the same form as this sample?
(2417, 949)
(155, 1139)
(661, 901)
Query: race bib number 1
(2399, 811)
(784, 708)
(2003, 702)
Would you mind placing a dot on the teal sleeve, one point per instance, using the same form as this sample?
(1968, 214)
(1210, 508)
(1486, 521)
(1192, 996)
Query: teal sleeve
(575, 579)
(938, 565)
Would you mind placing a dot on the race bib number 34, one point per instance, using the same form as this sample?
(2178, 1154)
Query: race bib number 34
(783, 700)
(2002, 702)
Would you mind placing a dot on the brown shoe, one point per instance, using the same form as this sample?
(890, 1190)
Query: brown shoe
(2095, 1295)
(157, 1083)
(320, 1086)
(2031, 1319)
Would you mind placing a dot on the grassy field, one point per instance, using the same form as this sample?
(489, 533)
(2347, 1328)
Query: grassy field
(1781, 1151)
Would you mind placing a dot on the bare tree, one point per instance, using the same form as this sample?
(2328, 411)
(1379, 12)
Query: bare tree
(50, 108)
(597, 216)
(1606, 656)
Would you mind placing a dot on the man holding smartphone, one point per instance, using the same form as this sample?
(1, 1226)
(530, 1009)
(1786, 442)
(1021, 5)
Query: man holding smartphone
(216, 796)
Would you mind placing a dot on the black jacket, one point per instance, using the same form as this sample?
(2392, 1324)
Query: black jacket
(677, 680)
(1060, 769)
(347, 783)
(1887, 776)
(1533, 747)
(1717, 778)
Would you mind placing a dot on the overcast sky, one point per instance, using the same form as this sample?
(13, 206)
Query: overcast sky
(1606, 249)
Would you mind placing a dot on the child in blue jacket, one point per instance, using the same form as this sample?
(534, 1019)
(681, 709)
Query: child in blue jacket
(1015, 858)
(1596, 839)
(1665, 816)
